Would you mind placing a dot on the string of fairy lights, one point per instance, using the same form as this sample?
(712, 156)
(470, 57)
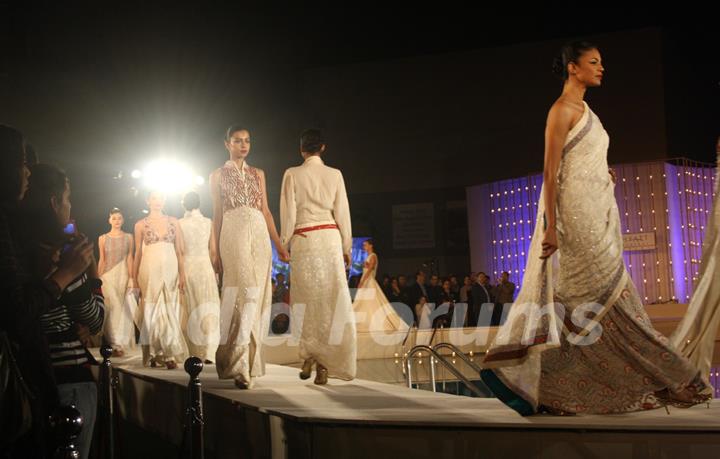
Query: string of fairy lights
(672, 200)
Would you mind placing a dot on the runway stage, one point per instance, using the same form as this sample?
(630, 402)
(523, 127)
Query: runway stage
(283, 416)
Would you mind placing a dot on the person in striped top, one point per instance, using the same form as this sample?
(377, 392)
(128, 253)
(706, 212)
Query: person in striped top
(80, 303)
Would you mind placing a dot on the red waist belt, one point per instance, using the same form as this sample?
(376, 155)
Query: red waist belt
(300, 231)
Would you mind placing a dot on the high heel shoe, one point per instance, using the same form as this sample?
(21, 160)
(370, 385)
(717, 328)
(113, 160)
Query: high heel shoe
(321, 375)
(171, 365)
(306, 370)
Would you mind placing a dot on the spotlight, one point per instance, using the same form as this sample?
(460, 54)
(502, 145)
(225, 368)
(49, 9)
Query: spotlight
(168, 176)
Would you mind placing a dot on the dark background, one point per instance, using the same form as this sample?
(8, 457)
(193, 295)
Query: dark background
(411, 99)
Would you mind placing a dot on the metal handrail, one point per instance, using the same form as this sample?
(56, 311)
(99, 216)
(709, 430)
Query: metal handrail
(459, 353)
(434, 356)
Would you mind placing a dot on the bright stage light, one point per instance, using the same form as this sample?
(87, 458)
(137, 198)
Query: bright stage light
(136, 174)
(168, 176)
(199, 181)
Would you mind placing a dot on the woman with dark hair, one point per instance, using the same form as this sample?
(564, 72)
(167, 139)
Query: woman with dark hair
(115, 266)
(160, 275)
(243, 227)
(201, 299)
(25, 296)
(578, 339)
(447, 295)
(373, 311)
(47, 206)
(396, 294)
(315, 217)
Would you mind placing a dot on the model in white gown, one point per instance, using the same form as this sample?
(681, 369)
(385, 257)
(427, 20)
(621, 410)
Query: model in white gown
(373, 311)
(115, 267)
(242, 219)
(695, 335)
(201, 298)
(158, 258)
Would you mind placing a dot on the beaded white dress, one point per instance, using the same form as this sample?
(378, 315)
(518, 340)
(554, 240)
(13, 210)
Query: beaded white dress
(313, 196)
(201, 298)
(246, 286)
(578, 339)
(118, 327)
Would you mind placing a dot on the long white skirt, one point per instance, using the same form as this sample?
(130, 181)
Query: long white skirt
(201, 302)
(373, 310)
(246, 293)
(118, 327)
(160, 332)
(319, 289)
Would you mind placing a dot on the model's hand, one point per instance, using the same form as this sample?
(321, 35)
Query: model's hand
(613, 177)
(549, 243)
(181, 283)
(283, 254)
(346, 259)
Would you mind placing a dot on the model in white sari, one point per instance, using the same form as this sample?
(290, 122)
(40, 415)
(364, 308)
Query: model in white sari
(578, 339)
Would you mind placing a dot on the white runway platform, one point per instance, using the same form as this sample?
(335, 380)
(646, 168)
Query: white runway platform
(283, 416)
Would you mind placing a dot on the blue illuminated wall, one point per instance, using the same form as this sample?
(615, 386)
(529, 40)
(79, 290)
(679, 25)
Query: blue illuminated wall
(670, 200)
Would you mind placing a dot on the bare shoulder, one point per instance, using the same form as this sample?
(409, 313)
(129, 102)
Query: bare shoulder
(563, 109)
(565, 112)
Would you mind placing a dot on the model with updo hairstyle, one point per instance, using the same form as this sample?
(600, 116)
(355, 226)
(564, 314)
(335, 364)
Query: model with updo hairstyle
(202, 302)
(243, 227)
(115, 266)
(613, 362)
